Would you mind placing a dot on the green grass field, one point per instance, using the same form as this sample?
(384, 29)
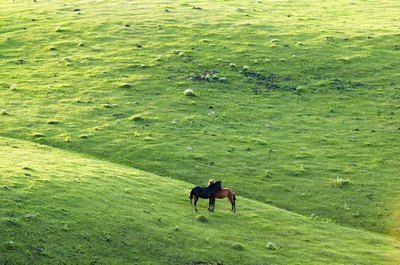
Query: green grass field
(59, 207)
(296, 108)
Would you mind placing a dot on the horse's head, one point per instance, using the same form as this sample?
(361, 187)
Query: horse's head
(218, 185)
(210, 182)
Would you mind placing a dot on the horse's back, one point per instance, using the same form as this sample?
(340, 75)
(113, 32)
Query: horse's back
(205, 192)
(197, 191)
(225, 192)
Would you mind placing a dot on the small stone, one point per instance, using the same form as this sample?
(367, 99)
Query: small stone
(189, 92)
(125, 85)
(271, 246)
(136, 117)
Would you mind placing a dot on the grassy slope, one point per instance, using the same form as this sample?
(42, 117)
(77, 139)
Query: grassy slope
(333, 112)
(62, 208)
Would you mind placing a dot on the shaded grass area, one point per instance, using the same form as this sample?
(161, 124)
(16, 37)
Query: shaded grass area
(60, 207)
(289, 98)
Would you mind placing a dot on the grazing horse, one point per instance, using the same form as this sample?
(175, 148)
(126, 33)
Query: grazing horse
(223, 193)
(205, 193)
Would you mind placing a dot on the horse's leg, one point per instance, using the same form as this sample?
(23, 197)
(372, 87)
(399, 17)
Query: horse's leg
(195, 203)
(213, 204)
(210, 203)
(234, 203)
(232, 200)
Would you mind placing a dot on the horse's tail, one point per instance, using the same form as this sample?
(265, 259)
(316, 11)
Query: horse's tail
(234, 196)
(191, 197)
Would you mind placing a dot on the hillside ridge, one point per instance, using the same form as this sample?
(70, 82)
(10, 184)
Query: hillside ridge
(91, 157)
(103, 211)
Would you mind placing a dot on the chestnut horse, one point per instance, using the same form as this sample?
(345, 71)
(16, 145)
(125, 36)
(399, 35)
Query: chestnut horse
(225, 193)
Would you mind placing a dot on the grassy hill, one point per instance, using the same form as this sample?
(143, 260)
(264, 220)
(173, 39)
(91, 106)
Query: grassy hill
(295, 106)
(61, 208)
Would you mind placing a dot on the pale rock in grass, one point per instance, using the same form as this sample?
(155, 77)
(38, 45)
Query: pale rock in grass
(189, 92)
(271, 246)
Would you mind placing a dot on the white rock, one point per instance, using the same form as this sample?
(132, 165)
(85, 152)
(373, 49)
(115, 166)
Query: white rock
(189, 92)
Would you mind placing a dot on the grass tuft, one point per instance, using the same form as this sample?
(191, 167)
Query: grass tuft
(136, 117)
(38, 135)
(271, 246)
(108, 105)
(52, 122)
(237, 246)
(341, 183)
(202, 218)
(9, 245)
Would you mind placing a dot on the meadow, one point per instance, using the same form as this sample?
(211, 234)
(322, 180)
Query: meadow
(295, 107)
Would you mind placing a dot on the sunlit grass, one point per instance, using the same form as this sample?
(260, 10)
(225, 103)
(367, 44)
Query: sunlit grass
(60, 207)
(296, 103)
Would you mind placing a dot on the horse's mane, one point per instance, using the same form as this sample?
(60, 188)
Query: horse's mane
(210, 182)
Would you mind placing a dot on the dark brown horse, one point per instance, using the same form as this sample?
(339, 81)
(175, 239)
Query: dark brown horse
(225, 193)
(208, 192)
